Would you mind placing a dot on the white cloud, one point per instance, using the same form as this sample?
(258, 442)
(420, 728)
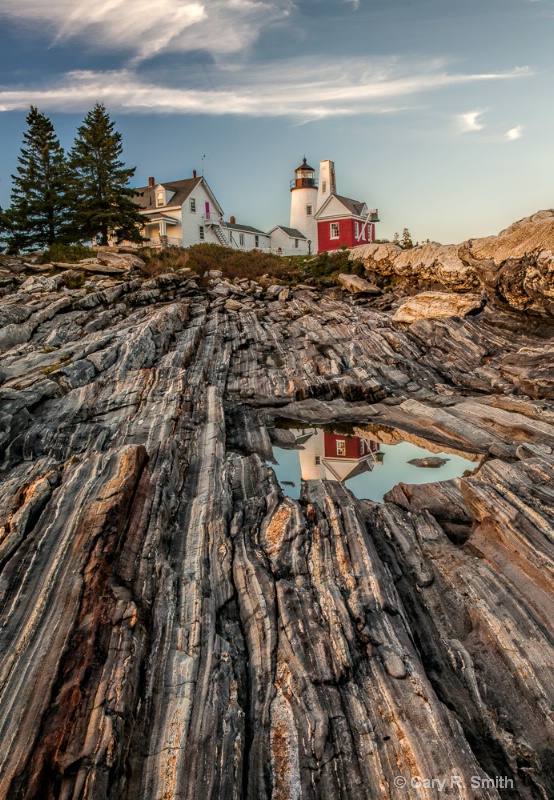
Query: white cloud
(306, 88)
(514, 133)
(470, 121)
(143, 28)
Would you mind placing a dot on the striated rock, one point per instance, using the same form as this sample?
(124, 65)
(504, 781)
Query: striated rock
(172, 625)
(432, 305)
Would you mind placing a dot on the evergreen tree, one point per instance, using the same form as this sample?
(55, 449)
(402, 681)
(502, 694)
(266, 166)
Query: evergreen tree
(406, 238)
(100, 198)
(38, 213)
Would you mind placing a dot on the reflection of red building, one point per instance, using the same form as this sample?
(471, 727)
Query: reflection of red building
(337, 445)
(326, 455)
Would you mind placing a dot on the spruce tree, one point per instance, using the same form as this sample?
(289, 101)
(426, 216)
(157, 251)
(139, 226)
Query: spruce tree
(38, 213)
(4, 227)
(100, 198)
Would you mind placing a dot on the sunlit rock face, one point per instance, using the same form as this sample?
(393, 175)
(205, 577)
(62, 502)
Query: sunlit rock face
(173, 626)
(514, 269)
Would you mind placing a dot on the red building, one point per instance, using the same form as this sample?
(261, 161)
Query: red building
(343, 222)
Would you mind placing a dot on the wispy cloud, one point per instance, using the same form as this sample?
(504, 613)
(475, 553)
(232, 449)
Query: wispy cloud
(514, 133)
(307, 88)
(143, 29)
(470, 121)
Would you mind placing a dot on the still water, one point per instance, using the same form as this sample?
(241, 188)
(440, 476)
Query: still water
(367, 467)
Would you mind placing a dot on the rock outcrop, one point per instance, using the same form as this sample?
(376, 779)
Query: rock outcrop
(173, 626)
(433, 305)
(514, 269)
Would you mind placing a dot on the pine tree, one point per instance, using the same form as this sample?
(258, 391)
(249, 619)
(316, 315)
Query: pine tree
(38, 213)
(4, 227)
(100, 198)
(406, 238)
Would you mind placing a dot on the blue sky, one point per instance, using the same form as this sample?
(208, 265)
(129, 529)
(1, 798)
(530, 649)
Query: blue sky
(440, 113)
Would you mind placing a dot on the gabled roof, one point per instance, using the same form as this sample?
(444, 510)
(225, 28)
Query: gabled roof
(355, 207)
(236, 226)
(145, 196)
(293, 233)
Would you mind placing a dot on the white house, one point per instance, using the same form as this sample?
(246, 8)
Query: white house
(288, 241)
(179, 212)
(245, 237)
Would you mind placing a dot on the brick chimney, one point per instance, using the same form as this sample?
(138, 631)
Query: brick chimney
(151, 183)
(194, 173)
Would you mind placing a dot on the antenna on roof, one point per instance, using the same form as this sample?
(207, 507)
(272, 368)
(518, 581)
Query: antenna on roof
(203, 157)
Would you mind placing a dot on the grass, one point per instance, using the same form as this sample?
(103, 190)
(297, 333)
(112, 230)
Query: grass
(319, 271)
(234, 264)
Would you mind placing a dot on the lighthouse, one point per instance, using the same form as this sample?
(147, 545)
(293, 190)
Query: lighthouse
(303, 203)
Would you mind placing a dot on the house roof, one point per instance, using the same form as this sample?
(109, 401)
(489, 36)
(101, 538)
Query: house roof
(145, 196)
(236, 226)
(354, 207)
(293, 233)
(163, 217)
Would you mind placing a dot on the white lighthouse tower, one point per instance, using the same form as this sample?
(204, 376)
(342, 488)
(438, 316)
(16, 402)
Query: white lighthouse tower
(303, 203)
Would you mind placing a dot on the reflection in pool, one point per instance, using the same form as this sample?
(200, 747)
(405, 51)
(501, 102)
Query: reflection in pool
(367, 467)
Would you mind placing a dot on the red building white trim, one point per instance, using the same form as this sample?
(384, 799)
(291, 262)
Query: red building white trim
(343, 222)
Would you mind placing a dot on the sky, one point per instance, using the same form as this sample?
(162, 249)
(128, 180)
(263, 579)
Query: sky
(437, 112)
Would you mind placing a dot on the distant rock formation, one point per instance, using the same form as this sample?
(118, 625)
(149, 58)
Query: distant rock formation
(514, 269)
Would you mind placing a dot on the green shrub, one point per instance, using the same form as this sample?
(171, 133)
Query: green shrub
(66, 253)
(324, 269)
(74, 280)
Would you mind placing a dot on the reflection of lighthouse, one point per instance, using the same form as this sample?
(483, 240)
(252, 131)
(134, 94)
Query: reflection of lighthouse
(335, 456)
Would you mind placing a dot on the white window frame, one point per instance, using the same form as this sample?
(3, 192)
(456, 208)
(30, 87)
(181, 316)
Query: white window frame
(296, 244)
(334, 230)
(309, 211)
(241, 239)
(256, 241)
(192, 205)
(160, 198)
(341, 447)
(201, 233)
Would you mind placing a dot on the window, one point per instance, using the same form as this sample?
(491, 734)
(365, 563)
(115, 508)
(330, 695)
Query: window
(201, 233)
(192, 205)
(356, 231)
(296, 243)
(160, 198)
(323, 187)
(308, 211)
(241, 239)
(256, 241)
(341, 447)
(318, 459)
(334, 230)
